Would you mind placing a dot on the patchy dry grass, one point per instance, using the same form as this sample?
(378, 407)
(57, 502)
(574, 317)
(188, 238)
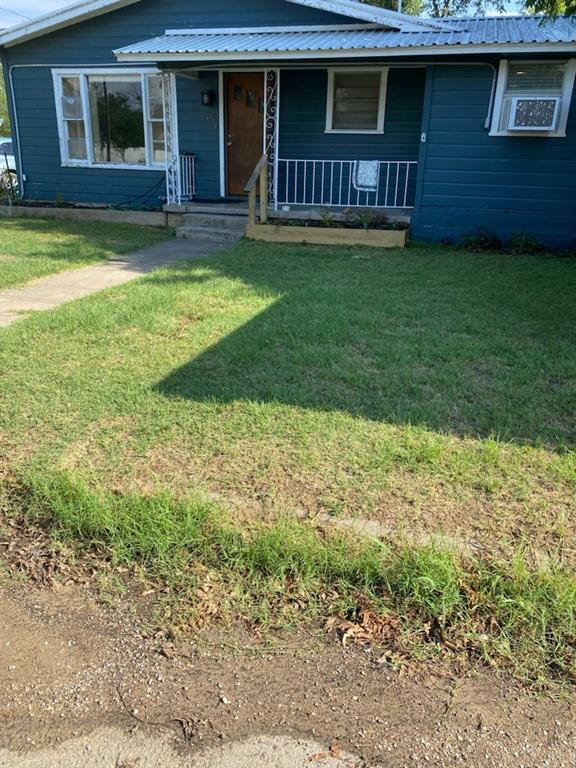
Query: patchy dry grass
(190, 421)
(430, 390)
(425, 600)
(32, 248)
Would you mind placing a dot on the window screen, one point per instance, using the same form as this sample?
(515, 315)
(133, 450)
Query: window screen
(356, 100)
(533, 77)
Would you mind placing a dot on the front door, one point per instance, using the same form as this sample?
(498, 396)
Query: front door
(244, 127)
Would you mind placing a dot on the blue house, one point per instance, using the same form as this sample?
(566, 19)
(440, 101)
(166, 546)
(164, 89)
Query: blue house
(456, 123)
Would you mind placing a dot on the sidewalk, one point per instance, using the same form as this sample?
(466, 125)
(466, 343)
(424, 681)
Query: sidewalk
(54, 290)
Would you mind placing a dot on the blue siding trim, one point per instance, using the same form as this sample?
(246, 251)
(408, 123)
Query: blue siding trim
(508, 184)
(424, 131)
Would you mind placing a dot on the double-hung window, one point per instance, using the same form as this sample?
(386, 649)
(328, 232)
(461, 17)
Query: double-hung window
(533, 98)
(356, 100)
(110, 118)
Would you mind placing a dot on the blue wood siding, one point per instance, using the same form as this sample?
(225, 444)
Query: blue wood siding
(91, 43)
(303, 98)
(199, 131)
(471, 179)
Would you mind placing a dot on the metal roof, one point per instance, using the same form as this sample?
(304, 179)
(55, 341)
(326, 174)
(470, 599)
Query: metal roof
(487, 31)
(81, 10)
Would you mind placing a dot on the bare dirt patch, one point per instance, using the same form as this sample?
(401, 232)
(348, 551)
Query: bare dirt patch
(82, 684)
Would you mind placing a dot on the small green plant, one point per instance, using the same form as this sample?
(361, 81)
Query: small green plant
(522, 244)
(327, 219)
(481, 239)
(59, 200)
(365, 219)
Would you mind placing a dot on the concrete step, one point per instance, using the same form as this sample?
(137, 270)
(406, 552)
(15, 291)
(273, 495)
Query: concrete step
(235, 209)
(215, 221)
(210, 234)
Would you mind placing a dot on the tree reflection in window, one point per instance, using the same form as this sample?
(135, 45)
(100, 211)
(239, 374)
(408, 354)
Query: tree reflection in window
(117, 116)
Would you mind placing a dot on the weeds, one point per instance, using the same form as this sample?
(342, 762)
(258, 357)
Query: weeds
(504, 613)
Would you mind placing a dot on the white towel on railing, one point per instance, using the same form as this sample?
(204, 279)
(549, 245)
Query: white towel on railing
(366, 175)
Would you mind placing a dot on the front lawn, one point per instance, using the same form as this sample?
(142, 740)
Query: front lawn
(429, 390)
(32, 248)
(210, 423)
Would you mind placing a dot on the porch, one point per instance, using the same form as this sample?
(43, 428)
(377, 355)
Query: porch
(311, 169)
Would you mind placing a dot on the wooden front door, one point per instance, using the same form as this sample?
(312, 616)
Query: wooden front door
(244, 127)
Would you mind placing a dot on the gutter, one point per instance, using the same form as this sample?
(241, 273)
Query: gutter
(355, 53)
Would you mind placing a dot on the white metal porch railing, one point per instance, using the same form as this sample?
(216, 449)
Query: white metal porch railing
(187, 176)
(181, 179)
(346, 183)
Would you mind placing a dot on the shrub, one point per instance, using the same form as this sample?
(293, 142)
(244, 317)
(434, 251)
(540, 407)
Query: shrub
(525, 245)
(481, 239)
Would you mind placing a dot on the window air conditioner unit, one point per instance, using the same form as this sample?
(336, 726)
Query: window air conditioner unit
(534, 113)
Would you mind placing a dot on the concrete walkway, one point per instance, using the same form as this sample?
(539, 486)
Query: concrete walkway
(54, 290)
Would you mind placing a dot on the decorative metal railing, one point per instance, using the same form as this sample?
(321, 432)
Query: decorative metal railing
(346, 183)
(187, 176)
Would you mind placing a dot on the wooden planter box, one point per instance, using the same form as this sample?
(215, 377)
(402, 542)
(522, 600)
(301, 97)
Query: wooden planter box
(144, 218)
(375, 238)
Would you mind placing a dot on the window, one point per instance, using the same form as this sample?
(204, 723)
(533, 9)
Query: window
(73, 119)
(533, 98)
(117, 119)
(356, 101)
(156, 136)
(111, 118)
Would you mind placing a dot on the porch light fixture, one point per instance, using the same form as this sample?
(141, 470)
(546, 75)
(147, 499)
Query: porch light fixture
(207, 98)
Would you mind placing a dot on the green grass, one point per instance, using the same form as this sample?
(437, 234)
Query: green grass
(503, 613)
(32, 248)
(188, 421)
(430, 390)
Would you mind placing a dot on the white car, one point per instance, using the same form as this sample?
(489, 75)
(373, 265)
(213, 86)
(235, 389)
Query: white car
(8, 177)
(7, 159)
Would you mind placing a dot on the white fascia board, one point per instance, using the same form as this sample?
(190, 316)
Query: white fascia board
(355, 53)
(366, 12)
(63, 17)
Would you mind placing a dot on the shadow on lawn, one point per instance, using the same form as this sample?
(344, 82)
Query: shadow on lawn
(460, 343)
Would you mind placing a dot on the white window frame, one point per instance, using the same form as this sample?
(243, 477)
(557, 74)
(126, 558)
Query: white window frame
(84, 74)
(383, 72)
(562, 106)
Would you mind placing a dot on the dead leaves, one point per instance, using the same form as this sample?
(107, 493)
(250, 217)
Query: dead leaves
(30, 553)
(369, 629)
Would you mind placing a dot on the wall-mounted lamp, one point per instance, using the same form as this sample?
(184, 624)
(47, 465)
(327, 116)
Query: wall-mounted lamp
(207, 98)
